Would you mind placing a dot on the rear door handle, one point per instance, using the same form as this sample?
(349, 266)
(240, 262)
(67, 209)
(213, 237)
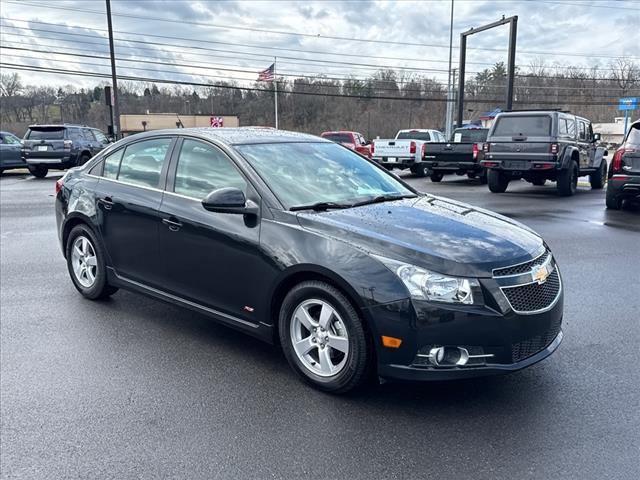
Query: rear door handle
(106, 202)
(173, 223)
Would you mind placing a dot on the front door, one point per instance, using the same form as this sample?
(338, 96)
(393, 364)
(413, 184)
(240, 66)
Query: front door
(128, 197)
(212, 259)
(584, 144)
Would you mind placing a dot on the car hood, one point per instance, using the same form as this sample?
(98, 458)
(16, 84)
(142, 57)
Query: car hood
(433, 232)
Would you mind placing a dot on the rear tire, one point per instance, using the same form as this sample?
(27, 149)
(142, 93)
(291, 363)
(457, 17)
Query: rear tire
(343, 324)
(498, 182)
(539, 182)
(38, 171)
(613, 202)
(568, 180)
(86, 264)
(596, 179)
(436, 177)
(420, 171)
(83, 159)
(483, 177)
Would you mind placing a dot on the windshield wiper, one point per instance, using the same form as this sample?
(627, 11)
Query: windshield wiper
(384, 198)
(320, 206)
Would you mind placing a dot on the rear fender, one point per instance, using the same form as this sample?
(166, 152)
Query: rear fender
(569, 152)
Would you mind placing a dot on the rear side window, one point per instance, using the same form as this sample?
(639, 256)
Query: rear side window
(112, 164)
(88, 135)
(74, 134)
(142, 162)
(203, 168)
(521, 125)
(46, 134)
(470, 135)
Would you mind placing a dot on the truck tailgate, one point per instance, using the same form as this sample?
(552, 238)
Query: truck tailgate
(392, 148)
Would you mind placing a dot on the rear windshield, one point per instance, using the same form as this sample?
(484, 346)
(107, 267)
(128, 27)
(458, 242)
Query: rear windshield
(634, 135)
(339, 137)
(45, 134)
(414, 136)
(531, 126)
(469, 135)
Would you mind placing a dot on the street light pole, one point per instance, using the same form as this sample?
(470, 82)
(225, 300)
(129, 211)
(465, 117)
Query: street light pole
(115, 121)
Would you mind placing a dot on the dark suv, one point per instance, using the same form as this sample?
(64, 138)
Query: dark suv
(624, 176)
(543, 145)
(60, 147)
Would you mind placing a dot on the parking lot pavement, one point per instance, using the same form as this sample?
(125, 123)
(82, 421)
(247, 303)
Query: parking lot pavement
(135, 388)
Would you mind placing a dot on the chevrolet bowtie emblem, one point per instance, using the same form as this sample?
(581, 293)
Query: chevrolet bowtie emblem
(540, 274)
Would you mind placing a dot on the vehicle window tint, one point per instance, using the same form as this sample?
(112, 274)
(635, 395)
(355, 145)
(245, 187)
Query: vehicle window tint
(142, 162)
(562, 127)
(203, 168)
(571, 127)
(10, 140)
(88, 135)
(100, 136)
(582, 131)
(46, 134)
(523, 125)
(339, 137)
(74, 134)
(112, 164)
(425, 136)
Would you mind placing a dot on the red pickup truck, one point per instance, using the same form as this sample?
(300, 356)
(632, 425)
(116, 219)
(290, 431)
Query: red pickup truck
(353, 140)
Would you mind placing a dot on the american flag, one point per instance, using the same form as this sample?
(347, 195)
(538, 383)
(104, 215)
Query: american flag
(267, 75)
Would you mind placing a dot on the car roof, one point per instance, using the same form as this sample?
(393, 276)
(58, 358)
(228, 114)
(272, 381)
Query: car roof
(58, 125)
(338, 131)
(418, 130)
(239, 135)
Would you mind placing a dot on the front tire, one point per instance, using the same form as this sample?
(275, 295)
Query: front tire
(86, 264)
(568, 180)
(323, 337)
(498, 182)
(596, 179)
(38, 171)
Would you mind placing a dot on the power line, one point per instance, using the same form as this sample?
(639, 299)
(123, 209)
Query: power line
(308, 35)
(21, 67)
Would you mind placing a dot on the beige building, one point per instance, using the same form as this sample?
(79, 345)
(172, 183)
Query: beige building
(612, 132)
(130, 124)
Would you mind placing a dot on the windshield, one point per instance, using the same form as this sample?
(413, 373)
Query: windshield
(46, 134)
(521, 125)
(339, 137)
(470, 135)
(308, 173)
(414, 136)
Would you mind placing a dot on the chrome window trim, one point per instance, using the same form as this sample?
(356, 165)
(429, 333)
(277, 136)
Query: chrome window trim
(125, 183)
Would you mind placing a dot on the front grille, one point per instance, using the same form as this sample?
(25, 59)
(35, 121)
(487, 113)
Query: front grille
(533, 296)
(521, 268)
(531, 346)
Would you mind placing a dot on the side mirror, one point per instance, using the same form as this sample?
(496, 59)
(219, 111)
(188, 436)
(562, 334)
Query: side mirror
(596, 137)
(605, 153)
(229, 200)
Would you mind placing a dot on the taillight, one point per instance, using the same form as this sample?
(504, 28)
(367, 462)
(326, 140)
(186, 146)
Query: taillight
(373, 148)
(475, 151)
(412, 147)
(554, 148)
(423, 150)
(616, 163)
(67, 144)
(59, 185)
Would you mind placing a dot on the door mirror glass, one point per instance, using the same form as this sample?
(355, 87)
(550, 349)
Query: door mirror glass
(228, 200)
(596, 137)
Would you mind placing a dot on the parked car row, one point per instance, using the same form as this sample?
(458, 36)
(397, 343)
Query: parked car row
(47, 147)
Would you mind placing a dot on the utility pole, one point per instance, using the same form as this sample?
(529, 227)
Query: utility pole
(115, 121)
(450, 82)
(275, 84)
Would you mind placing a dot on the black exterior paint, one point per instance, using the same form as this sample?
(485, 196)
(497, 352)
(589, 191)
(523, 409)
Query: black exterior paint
(236, 267)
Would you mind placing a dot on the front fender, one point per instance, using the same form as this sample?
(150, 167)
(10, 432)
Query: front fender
(598, 157)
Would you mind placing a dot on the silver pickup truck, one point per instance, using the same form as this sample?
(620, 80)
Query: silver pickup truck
(407, 150)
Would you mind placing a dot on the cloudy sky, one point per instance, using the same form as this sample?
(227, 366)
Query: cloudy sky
(211, 41)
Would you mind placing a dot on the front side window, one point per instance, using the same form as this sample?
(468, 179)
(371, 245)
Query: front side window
(582, 131)
(307, 173)
(100, 136)
(142, 162)
(203, 168)
(10, 139)
(88, 135)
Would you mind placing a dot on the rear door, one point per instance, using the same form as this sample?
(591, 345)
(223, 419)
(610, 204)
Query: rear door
(129, 195)
(517, 140)
(210, 258)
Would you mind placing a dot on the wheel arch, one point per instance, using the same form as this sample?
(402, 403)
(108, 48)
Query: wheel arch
(72, 221)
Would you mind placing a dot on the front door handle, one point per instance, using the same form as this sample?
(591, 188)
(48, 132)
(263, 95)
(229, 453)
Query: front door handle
(106, 202)
(173, 223)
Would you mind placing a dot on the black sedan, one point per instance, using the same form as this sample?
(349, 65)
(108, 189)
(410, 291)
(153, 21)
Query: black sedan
(302, 242)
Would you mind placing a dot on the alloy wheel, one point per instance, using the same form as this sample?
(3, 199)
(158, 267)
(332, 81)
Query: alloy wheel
(84, 261)
(319, 338)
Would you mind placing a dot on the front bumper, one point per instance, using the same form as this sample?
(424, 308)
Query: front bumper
(507, 340)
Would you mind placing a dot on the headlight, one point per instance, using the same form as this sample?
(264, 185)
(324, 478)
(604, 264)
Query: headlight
(426, 285)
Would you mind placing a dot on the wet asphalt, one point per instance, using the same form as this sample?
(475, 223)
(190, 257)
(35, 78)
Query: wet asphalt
(135, 388)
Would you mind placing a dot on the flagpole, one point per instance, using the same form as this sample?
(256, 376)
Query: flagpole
(275, 80)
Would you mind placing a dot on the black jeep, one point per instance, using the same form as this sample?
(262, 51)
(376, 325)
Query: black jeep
(543, 145)
(60, 147)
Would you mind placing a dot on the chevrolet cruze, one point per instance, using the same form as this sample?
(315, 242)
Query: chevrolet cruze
(301, 242)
